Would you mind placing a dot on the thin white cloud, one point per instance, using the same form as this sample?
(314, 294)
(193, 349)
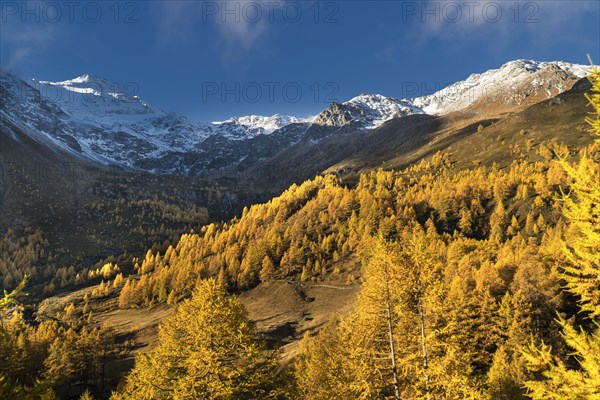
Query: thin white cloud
(238, 29)
(25, 39)
(500, 23)
(463, 19)
(175, 20)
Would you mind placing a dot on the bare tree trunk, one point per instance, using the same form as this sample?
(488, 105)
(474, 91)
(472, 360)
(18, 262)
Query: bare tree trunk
(423, 339)
(392, 348)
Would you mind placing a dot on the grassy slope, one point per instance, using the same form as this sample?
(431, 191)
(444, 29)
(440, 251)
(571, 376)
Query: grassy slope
(402, 142)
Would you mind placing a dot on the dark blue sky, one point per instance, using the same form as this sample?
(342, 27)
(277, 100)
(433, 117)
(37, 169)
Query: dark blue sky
(214, 59)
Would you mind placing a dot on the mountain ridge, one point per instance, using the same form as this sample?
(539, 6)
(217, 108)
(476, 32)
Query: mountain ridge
(97, 120)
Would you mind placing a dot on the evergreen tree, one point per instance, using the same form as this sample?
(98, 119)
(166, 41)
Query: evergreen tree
(582, 248)
(208, 350)
(267, 269)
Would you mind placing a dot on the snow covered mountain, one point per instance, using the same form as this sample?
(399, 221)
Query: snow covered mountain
(88, 98)
(368, 111)
(92, 99)
(514, 83)
(259, 125)
(97, 120)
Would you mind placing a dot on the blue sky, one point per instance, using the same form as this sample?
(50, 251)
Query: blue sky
(214, 59)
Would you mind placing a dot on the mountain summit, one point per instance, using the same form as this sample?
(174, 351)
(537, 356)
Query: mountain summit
(516, 83)
(257, 124)
(367, 111)
(101, 121)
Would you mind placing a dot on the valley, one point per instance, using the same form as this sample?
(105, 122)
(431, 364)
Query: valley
(115, 213)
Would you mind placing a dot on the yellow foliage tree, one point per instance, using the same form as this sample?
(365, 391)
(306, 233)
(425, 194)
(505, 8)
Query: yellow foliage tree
(208, 350)
(582, 248)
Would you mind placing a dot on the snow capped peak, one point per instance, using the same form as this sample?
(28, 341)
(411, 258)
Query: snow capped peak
(370, 97)
(511, 84)
(533, 66)
(367, 97)
(375, 109)
(89, 97)
(90, 84)
(262, 124)
(81, 78)
(377, 101)
(85, 78)
(528, 65)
